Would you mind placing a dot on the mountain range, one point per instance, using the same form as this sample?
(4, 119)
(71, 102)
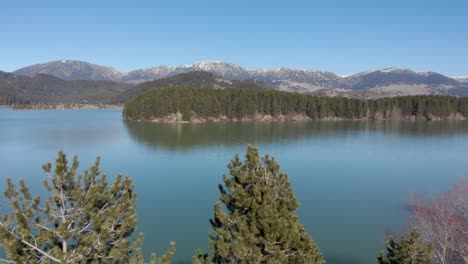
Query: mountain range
(375, 83)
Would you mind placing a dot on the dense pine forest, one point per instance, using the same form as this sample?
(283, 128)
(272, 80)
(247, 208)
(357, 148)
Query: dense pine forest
(189, 104)
(7, 99)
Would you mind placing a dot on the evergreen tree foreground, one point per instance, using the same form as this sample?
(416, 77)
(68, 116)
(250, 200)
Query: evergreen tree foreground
(408, 250)
(255, 219)
(84, 220)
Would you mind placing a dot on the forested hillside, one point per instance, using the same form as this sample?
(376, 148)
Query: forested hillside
(197, 79)
(45, 89)
(189, 104)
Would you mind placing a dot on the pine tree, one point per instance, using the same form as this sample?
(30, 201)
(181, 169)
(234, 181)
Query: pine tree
(409, 250)
(138, 258)
(84, 220)
(255, 219)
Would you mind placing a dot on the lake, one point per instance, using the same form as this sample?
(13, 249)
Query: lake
(351, 177)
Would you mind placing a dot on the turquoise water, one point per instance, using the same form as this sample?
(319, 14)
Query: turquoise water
(351, 178)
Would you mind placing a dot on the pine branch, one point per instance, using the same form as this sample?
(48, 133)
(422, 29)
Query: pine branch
(30, 245)
(6, 261)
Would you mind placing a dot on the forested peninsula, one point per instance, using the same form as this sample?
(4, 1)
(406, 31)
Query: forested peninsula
(183, 104)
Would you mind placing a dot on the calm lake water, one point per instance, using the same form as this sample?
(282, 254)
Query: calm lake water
(351, 178)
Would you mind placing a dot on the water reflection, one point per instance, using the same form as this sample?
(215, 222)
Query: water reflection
(357, 171)
(186, 136)
(46, 129)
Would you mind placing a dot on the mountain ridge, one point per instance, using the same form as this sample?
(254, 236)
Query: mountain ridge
(377, 83)
(72, 70)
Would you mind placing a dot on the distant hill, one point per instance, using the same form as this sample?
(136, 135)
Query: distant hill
(72, 70)
(400, 81)
(47, 89)
(372, 79)
(369, 84)
(197, 79)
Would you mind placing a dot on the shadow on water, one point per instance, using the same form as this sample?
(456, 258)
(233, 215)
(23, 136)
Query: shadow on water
(330, 260)
(186, 136)
(343, 260)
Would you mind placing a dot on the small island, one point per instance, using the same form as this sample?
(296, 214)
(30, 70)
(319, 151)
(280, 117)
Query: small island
(185, 104)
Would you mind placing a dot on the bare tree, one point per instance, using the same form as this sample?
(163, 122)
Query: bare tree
(443, 222)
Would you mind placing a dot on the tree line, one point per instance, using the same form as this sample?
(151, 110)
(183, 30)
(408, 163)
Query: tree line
(8, 100)
(86, 219)
(241, 103)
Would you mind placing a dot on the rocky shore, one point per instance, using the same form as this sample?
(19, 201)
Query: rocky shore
(62, 106)
(178, 118)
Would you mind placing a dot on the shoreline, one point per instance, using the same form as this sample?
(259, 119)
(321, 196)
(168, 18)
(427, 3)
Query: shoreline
(62, 107)
(177, 119)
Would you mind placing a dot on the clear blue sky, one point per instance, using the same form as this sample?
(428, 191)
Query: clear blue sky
(338, 36)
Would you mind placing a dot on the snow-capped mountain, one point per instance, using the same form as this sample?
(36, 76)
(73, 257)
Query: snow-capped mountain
(148, 74)
(223, 69)
(462, 79)
(298, 80)
(374, 83)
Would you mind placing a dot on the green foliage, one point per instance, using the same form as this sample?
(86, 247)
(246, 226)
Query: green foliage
(138, 258)
(201, 258)
(84, 220)
(255, 219)
(409, 250)
(246, 103)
